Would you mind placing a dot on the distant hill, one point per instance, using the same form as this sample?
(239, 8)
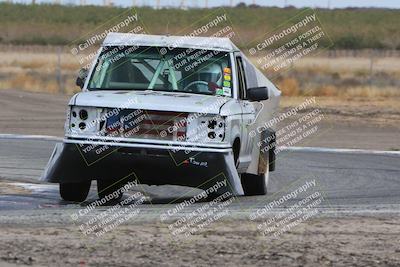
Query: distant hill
(59, 25)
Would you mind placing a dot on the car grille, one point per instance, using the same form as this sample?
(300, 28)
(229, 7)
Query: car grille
(163, 125)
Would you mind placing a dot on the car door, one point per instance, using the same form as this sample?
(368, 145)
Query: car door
(248, 115)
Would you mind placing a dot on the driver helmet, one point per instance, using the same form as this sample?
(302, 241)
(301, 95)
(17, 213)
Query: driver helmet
(211, 73)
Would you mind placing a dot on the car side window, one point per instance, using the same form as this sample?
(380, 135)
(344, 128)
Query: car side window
(241, 78)
(251, 76)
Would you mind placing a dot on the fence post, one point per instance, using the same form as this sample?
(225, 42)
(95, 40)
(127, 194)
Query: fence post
(371, 66)
(58, 71)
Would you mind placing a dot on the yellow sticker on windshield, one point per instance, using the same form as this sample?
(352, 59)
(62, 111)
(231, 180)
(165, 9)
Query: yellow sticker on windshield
(227, 77)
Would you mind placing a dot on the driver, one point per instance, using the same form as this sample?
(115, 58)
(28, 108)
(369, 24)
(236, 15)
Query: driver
(211, 73)
(207, 78)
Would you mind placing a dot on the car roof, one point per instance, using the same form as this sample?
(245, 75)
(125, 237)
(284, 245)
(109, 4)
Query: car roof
(209, 43)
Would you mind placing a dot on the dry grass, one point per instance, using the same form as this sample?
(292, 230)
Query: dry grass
(38, 72)
(371, 92)
(324, 90)
(30, 64)
(289, 86)
(30, 83)
(353, 91)
(46, 62)
(341, 77)
(359, 66)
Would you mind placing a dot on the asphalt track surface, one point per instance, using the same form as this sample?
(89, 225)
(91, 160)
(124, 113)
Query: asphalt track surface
(350, 181)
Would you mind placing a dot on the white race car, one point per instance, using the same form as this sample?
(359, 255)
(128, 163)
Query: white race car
(167, 110)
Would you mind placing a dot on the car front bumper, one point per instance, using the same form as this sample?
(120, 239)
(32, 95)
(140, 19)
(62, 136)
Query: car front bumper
(76, 161)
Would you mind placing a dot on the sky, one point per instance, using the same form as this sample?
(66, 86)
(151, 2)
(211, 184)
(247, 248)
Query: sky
(212, 3)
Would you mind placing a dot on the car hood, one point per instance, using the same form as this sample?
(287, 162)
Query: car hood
(151, 100)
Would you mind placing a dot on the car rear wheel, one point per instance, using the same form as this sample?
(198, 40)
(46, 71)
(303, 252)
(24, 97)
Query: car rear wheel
(74, 191)
(107, 187)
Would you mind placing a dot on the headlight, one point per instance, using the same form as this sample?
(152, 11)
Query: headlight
(83, 120)
(83, 114)
(209, 128)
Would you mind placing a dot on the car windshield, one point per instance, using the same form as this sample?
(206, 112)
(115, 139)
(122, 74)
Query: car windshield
(163, 69)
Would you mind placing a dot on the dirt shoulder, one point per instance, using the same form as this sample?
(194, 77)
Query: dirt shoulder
(363, 123)
(380, 112)
(355, 241)
(32, 113)
(348, 123)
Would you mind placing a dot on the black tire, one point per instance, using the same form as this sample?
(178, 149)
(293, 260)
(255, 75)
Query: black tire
(236, 151)
(107, 187)
(77, 192)
(253, 184)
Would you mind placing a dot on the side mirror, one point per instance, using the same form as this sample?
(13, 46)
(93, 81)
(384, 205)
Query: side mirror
(257, 93)
(80, 80)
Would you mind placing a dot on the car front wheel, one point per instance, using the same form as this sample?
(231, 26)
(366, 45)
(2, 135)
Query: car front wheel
(74, 191)
(255, 184)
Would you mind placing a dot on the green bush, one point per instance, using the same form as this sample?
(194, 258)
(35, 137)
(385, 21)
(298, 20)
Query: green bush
(55, 24)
